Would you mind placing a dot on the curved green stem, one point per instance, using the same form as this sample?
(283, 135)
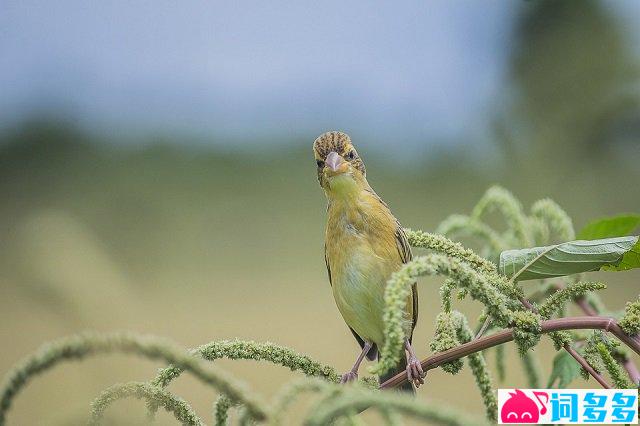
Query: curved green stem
(84, 345)
(177, 406)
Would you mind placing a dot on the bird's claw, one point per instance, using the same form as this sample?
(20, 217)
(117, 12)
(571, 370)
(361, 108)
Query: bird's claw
(350, 376)
(415, 373)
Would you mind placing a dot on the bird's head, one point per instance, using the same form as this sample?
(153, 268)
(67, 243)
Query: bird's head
(340, 168)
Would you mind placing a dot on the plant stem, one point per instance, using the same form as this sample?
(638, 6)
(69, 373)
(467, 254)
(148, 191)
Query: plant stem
(626, 363)
(567, 347)
(585, 306)
(583, 362)
(527, 304)
(504, 336)
(631, 369)
(483, 328)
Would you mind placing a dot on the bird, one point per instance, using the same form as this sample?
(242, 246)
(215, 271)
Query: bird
(364, 245)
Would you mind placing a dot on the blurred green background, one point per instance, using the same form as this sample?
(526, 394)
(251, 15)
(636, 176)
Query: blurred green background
(103, 230)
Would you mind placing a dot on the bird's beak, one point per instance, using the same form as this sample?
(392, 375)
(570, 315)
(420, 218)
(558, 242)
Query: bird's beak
(334, 161)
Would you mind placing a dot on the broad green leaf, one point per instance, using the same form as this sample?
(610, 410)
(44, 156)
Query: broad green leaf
(565, 369)
(630, 260)
(612, 254)
(608, 227)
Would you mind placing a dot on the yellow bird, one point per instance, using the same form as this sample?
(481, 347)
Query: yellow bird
(364, 245)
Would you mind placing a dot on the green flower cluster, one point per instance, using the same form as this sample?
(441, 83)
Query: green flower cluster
(630, 321)
(526, 330)
(558, 300)
(445, 338)
(171, 403)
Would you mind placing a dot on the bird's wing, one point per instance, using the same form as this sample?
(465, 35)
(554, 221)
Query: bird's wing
(404, 249)
(373, 352)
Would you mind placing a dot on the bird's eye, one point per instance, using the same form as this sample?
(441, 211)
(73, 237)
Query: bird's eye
(351, 155)
(320, 163)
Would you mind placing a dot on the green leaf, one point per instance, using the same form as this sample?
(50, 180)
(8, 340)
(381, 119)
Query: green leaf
(608, 227)
(610, 254)
(630, 260)
(565, 369)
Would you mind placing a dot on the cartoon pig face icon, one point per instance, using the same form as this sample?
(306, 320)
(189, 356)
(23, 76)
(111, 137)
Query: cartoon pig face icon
(519, 408)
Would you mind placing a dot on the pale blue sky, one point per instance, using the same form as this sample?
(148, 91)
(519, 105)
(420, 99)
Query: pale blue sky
(415, 71)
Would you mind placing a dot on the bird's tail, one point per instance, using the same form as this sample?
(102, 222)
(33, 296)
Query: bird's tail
(401, 367)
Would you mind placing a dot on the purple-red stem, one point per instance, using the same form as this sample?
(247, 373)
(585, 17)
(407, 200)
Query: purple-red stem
(567, 347)
(627, 363)
(631, 369)
(585, 306)
(583, 362)
(504, 336)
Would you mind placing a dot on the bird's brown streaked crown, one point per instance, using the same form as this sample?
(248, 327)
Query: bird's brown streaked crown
(335, 141)
(340, 143)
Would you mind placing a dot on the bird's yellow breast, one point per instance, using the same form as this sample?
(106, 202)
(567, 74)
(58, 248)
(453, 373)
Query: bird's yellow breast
(362, 254)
